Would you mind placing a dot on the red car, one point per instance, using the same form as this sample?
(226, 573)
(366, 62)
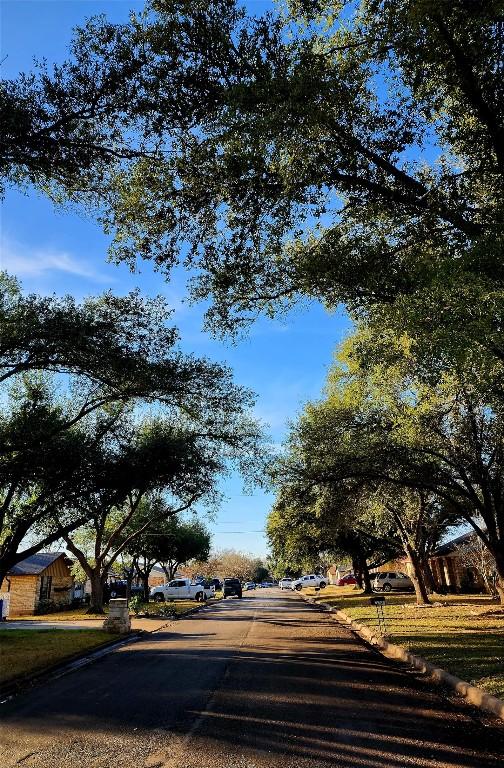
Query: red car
(345, 580)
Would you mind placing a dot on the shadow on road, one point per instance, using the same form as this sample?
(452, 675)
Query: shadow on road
(298, 691)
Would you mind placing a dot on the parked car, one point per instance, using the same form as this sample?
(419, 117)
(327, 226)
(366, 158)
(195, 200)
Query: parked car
(312, 580)
(345, 580)
(119, 588)
(265, 584)
(181, 589)
(232, 587)
(249, 585)
(285, 583)
(389, 580)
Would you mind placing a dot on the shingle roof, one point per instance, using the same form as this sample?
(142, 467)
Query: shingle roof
(35, 564)
(451, 546)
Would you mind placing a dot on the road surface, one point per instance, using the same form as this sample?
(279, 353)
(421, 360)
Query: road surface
(265, 682)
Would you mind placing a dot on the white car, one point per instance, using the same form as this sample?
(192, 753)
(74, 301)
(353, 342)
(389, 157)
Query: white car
(387, 581)
(312, 580)
(181, 589)
(285, 583)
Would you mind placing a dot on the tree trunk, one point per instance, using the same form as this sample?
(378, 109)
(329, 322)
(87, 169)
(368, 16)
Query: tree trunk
(368, 589)
(429, 579)
(417, 578)
(356, 568)
(96, 602)
(145, 584)
(129, 581)
(499, 583)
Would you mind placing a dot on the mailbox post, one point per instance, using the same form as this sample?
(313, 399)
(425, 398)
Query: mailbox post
(379, 603)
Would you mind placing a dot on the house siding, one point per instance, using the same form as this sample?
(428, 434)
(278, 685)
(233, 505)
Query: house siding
(25, 589)
(23, 592)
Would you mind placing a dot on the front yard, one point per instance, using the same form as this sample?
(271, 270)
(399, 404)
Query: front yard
(25, 651)
(464, 634)
(176, 607)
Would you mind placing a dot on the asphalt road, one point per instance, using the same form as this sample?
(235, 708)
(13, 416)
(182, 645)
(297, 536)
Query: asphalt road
(265, 682)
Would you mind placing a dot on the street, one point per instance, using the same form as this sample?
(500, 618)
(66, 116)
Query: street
(265, 682)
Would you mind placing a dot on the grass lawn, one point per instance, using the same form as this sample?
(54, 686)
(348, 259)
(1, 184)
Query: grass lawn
(464, 635)
(24, 651)
(176, 606)
(152, 609)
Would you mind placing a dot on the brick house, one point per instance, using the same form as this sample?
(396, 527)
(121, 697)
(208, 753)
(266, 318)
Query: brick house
(41, 578)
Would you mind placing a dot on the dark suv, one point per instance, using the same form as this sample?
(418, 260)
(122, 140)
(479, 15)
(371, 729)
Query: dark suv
(232, 587)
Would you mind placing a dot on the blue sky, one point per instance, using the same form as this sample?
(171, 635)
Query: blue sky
(51, 250)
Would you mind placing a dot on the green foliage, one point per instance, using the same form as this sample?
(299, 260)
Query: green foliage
(384, 447)
(135, 604)
(73, 375)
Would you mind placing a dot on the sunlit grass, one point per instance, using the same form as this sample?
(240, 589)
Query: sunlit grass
(461, 633)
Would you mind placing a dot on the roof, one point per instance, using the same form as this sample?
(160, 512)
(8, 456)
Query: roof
(35, 564)
(451, 546)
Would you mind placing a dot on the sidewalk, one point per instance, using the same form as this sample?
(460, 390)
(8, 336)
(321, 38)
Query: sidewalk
(144, 625)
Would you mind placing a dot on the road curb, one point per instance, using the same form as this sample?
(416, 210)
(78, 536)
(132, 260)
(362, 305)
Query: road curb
(478, 697)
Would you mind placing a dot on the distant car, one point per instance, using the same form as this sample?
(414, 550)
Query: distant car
(265, 584)
(248, 586)
(389, 580)
(345, 580)
(285, 583)
(312, 580)
(232, 587)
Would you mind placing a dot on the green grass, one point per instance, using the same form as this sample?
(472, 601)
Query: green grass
(24, 651)
(177, 607)
(464, 634)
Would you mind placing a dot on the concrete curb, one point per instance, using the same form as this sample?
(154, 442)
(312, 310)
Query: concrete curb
(478, 697)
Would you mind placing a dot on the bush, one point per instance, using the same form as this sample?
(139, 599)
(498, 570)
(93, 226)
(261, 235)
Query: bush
(47, 606)
(136, 604)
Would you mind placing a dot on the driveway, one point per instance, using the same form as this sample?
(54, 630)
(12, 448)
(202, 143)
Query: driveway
(265, 682)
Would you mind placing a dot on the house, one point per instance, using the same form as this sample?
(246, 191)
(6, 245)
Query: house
(42, 579)
(157, 577)
(450, 571)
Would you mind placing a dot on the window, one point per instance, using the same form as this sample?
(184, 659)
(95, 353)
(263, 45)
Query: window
(382, 576)
(391, 575)
(180, 583)
(45, 587)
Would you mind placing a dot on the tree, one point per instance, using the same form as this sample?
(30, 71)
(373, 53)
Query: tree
(281, 113)
(41, 480)
(194, 120)
(260, 572)
(315, 518)
(66, 362)
(225, 563)
(476, 556)
(179, 542)
(382, 426)
(158, 464)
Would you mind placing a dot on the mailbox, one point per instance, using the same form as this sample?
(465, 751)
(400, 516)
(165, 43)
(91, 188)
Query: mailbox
(377, 600)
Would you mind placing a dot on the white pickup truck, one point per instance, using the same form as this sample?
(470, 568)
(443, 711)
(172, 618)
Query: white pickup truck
(181, 589)
(309, 581)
